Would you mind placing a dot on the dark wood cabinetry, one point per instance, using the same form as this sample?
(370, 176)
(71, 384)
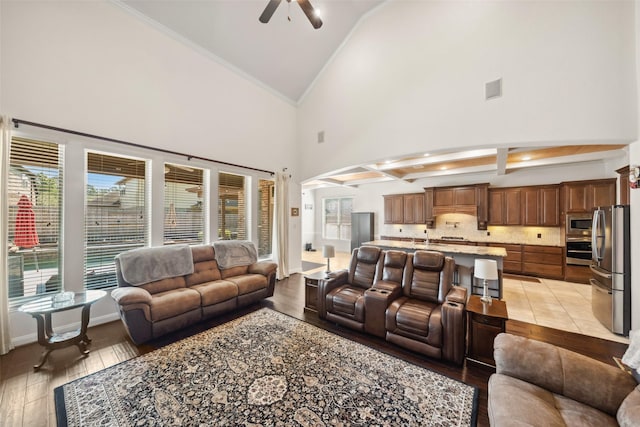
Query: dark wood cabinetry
(471, 200)
(541, 206)
(583, 196)
(543, 261)
(404, 208)
(394, 209)
(623, 184)
(530, 206)
(485, 321)
(414, 208)
(505, 206)
(512, 263)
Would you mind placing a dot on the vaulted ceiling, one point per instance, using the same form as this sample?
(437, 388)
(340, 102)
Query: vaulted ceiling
(286, 55)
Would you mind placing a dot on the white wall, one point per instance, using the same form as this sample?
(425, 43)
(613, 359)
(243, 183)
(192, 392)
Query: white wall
(92, 67)
(411, 79)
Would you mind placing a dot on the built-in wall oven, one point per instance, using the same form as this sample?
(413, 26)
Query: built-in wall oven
(578, 251)
(578, 239)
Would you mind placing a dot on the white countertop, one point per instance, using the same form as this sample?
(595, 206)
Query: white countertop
(449, 249)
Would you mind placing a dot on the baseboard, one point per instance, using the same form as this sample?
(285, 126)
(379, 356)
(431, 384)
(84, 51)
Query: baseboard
(94, 321)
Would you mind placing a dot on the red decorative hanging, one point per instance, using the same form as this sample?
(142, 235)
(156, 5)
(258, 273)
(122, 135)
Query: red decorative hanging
(26, 234)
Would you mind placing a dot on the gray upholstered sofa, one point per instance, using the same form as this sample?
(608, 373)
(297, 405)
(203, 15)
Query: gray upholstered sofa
(539, 384)
(149, 310)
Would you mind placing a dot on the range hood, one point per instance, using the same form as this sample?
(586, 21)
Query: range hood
(470, 200)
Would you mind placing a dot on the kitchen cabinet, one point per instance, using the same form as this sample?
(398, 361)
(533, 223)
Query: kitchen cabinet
(505, 206)
(393, 209)
(512, 263)
(583, 196)
(623, 184)
(541, 206)
(543, 261)
(414, 208)
(404, 208)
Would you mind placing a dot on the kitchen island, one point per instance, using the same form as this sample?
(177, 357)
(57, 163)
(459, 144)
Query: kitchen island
(464, 257)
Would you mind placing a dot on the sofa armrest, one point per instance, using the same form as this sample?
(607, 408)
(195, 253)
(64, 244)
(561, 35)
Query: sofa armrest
(563, 372)
(629, 413)
(131, 295)
(263, 267)
(457, 294)
(453, 328)
(336, 278)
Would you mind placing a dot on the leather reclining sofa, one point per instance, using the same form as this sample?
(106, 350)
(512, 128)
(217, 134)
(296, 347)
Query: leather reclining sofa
(539, 384)
(408, 299)
(153, 309)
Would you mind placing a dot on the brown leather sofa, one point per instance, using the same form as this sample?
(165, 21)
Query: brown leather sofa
(410, 300)
(429, 316)
(342, 297)
(153, 309)
(538, 383)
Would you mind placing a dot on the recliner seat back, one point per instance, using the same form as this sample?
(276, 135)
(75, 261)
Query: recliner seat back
(393, 266)
(362, 269)
(428, 276)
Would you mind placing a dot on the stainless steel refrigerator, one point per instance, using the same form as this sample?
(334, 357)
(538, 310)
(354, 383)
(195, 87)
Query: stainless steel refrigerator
(361, 228)
(611, 268)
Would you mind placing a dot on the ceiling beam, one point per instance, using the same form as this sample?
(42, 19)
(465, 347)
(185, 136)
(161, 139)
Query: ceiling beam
(449, 157)
(501, 160)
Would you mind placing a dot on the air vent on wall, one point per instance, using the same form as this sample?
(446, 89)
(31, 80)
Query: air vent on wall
(493, 89)
(320, 137)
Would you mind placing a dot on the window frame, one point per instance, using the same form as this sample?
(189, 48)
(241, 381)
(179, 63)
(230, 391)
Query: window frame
(339, 224)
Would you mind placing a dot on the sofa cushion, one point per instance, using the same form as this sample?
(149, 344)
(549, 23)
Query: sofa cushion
(234, 271)
(203, 272)
(347, 301)
(561, 371)
(165, 285)
(216, 291)
(516, 402)
(248, 283)
(629, 412)
(172, 303)
(419, 320)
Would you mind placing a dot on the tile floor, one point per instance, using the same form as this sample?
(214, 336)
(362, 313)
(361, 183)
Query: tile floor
(551, 303)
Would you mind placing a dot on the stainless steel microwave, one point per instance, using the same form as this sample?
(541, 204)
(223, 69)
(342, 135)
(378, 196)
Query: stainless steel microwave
(579, 224)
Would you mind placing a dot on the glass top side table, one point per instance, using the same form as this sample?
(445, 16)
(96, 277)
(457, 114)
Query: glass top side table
(42, 309)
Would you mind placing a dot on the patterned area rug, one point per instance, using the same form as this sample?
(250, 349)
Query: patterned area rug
(265, 368)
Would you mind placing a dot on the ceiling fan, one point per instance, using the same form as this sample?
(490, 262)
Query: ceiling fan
(308, 10)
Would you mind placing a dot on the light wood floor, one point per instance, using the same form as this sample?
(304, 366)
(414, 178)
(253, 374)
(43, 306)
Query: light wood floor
(26, 396)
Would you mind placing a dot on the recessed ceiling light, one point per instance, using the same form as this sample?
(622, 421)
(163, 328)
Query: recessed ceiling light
(426, 154)
(443, 168)
(526, 158)
(387, 161)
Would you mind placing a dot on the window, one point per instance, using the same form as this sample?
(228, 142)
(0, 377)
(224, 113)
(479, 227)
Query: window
(232, 215)
(35, 217)
(265, 216)
(115, 214)
(183, 204)
(336, 218)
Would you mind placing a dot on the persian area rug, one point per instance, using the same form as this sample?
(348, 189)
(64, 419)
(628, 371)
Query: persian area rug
(265, 369)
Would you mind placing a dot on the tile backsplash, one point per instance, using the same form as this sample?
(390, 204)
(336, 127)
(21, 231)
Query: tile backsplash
(460, 225)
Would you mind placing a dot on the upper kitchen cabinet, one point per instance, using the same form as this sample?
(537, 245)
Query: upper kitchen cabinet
(404, 208)
(414, 208)
(393, 209)
(583, 196)
(541, 206)
(505, 206)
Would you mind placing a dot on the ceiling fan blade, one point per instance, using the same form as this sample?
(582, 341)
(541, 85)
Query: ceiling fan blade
(311, 13)
(268, 11)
